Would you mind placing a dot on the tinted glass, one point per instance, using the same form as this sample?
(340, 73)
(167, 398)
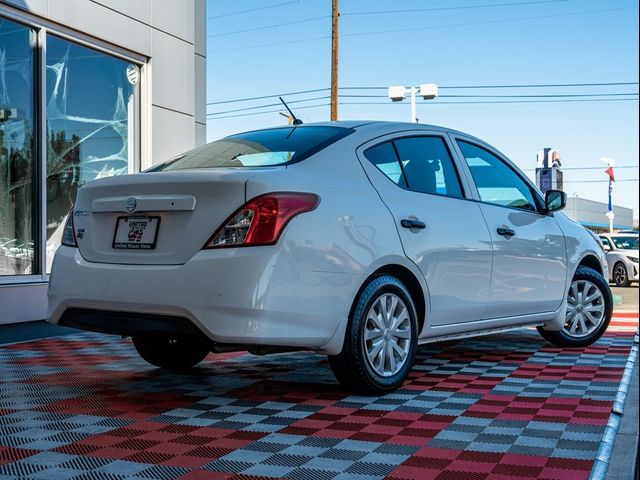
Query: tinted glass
(626, 243)
(428, 166)
(262, 148)
(90, 127)
(497, 182)
(17, 149)
(384, 157)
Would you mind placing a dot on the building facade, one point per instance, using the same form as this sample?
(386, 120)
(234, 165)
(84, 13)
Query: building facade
(88, 89)
(591, 214)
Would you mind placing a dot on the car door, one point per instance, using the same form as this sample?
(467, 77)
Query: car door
(444, 234)
(529, 253)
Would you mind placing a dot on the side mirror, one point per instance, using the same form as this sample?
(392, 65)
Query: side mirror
(555, 200)
(606, 247)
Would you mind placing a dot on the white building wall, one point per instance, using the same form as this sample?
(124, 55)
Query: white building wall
(171, 36)
(592, 214)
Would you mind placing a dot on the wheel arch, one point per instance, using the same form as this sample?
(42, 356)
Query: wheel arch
(592, 262)
(408, 278)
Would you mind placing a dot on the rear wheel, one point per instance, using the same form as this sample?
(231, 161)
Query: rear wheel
(380, 342)
(589, 310)
(171, 354)
(620, 275)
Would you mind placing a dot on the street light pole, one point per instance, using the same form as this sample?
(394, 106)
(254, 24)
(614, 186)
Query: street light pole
(428, 91)
(414, 117)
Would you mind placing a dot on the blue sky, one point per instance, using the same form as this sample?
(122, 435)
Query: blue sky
(527, 42)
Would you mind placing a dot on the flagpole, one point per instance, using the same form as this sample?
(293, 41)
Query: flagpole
(609, 171)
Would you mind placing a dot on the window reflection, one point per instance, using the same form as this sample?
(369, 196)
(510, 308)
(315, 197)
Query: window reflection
(90, 125)
(17, 149)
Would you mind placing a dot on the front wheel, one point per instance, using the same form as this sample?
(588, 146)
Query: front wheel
(380, 342)
(589, 310)
(171, 353)
(620, 275)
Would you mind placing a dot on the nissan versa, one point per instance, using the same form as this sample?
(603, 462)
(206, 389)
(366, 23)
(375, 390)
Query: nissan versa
(359, 240)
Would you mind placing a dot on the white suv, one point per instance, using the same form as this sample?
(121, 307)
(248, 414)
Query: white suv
(360, 240)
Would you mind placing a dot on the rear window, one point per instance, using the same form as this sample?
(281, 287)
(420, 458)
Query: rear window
(261, 148)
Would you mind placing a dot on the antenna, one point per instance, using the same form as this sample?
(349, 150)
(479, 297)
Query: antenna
(296, 121)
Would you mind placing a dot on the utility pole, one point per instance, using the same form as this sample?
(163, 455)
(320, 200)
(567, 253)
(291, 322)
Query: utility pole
(334, 59)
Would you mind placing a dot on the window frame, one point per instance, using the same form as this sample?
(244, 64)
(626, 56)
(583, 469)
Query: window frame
(537, 196)
(142, 116)
(442, 136)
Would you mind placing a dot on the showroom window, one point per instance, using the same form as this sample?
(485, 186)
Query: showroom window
(18, 164)
(67, 116)
(90, 118)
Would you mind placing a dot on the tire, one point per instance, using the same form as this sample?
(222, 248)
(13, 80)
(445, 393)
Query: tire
(171, 354)
(621, 275)
(352, 366)
(595, 314)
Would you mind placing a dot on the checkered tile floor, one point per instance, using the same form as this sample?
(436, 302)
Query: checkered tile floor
(509, 406)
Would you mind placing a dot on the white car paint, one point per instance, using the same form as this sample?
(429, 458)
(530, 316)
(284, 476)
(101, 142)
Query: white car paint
(299, 292)
(625, 256)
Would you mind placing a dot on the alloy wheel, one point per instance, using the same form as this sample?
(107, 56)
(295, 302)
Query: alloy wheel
(387, 335)
(585, 309)
(620, 274)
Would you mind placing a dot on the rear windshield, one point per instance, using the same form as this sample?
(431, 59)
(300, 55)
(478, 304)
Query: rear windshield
(261, 148)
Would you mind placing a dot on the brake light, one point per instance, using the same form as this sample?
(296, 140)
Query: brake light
(261, 220)
(69, 234)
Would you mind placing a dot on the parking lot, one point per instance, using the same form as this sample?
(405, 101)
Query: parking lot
(506, 406)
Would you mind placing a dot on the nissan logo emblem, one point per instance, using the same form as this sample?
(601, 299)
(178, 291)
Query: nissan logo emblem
(131, 205)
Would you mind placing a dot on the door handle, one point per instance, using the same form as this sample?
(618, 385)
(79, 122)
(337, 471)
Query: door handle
(505, 232)
(409, 223)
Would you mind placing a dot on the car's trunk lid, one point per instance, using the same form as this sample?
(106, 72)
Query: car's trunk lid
(159, 218)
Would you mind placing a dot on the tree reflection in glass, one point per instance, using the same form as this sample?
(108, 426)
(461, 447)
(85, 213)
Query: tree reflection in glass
(90, 125)
(17, 149)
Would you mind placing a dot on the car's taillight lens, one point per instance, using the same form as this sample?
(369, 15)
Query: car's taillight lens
(68, 234)
(261, 220)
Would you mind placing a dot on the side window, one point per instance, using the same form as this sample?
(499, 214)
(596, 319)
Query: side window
(384, 157)
(605, 242)
(428, 166)
(497, 182)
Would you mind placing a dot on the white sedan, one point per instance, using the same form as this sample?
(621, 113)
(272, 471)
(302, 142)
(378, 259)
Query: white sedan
(360, 240)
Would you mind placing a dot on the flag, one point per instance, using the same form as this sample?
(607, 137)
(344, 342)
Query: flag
(609, 171)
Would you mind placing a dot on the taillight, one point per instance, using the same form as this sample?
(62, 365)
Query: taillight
(68, 234)
(261, 220)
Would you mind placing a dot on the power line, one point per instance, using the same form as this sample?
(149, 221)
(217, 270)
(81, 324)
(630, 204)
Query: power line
(603, 168)
(303, 107)
(251, 10)
(268, 27)
(441, 87)
(432, 27)
(464, 102)
(601, 181)
(542, 95)
(324, 17)
(458, 7)
(487, 22)
(538, 85)
(257, 107)
(246, 99)
(214, 116)
(505, 102)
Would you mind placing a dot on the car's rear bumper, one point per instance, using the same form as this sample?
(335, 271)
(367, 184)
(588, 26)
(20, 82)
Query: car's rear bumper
(248, 296)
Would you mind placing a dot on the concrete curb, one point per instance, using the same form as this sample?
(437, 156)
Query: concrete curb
(621, 421)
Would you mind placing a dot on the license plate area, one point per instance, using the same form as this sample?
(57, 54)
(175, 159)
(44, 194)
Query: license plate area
(136, 233)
